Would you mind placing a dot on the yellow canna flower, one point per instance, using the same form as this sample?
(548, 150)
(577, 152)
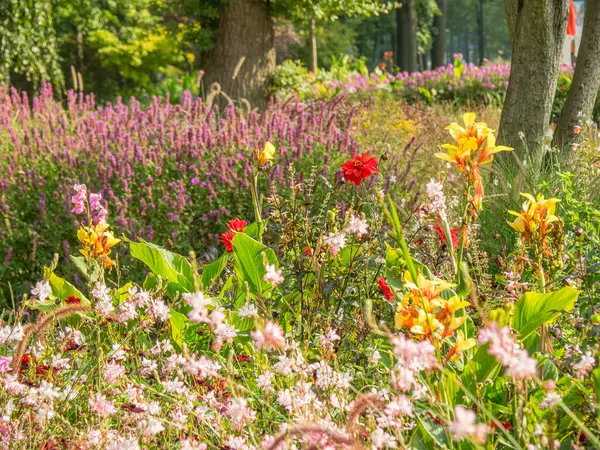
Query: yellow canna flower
(425, 324)
(536, 219)
(266, 154)
(475, 146)
(427, 289)
(97, 242)
(460, 345)
(425, 313)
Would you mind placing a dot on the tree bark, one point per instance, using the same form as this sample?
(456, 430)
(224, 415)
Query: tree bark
(438, 46)
(242, 59)
(406, 24)
(579, 104)
(537, 29)
(480, 31)
(312, 37)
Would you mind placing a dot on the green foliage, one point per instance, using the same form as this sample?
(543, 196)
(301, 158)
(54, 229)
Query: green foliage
(28, 43)
(169, 266)
(534, 309)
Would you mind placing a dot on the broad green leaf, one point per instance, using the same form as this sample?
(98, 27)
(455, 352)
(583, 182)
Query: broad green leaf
(249, 262)
(179, 323)
(170, 266)
(426, 95)
(151, 282)
(596, 377)
(212, 271)
(534, 309)
(62, 289)
(349, 253)
(434, 430)
(80, 264)
(92, 273)
(458, 67)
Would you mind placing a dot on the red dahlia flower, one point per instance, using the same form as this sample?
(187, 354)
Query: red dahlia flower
(385, 289)
(359, 168)
(235, 226)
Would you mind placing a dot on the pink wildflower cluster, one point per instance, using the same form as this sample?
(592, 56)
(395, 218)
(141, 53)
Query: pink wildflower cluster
(463, 426)
(502, 345)
(270, 337)
(79, 203)
(215, 319)
(413, 357)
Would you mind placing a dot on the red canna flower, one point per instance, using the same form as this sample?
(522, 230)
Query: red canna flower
(359, 168)
(385, 289)
(235, 226)
(307, 251)
(453, 235)
(72, 300)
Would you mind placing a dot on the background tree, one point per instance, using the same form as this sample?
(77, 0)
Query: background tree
(586, 81)
(438, 46)
(537, 31)
(406, 29)
(246, 65)
(28, 47)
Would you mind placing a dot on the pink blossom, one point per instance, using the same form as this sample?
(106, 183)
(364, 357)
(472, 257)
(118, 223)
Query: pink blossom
(273, 276)
(5, 364)
(100, 405)
(113, 372)
(585, 365)
(502, 345)
(271, 337)
(464, 426)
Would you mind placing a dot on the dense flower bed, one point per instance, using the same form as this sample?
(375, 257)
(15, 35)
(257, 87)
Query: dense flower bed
(174, 173)
(374, 325)
(463, 85)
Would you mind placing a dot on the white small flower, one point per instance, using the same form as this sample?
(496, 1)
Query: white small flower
(273, 276)
(41, 290)
(335, 242)
(248, 310)
(585, 364)
(357, 226)
(551, 400)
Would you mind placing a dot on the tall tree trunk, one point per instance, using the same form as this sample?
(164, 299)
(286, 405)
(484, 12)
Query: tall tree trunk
(537, 32)
(480, 31)
(406, 25)
(242, 60)
(586, 81)
(312, 37)
(438, 46)
(466, 47)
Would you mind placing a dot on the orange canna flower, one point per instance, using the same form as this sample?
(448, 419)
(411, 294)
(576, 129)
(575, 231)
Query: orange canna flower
(97, 242)
(536, 219)
(475, 147)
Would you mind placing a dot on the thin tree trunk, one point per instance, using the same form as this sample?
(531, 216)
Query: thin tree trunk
(242, 59)
(586, 81)
(466, 49)
(406, 24)
(312, 37)
(438, 46)
(537, 32)
(480, 31)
